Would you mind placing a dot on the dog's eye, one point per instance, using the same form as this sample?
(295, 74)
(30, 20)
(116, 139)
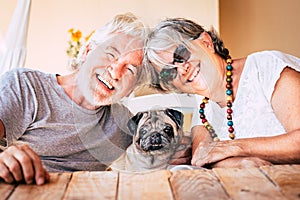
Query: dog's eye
(143, 132)
(168, 129)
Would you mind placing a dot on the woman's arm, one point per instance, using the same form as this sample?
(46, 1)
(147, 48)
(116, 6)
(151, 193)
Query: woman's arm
(200, 137)
(283, 148)
(278, 149)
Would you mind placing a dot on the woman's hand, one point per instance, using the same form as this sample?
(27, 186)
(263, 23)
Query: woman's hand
(207, 153)
(221, 154)
(21, 163)
(241, 162)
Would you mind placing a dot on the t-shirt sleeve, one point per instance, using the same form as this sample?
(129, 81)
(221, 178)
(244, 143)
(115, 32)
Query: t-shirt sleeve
(271, 65)
(16, 110)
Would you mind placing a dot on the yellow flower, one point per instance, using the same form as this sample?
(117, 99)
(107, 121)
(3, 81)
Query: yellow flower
(76, 36)
(88, 37)
(71, 30)
(75, 42)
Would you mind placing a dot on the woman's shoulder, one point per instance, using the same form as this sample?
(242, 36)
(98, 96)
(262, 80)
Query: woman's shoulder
(266, 67)
(275, 58)
(269, 63)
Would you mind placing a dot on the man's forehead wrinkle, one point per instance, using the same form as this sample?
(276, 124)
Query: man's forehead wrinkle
(114, 49)
(130, 43)
(134, 44)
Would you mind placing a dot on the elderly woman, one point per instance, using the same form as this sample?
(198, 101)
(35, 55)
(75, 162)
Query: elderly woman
(250, 113)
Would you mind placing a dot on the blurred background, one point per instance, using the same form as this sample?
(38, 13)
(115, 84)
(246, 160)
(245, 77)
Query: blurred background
(245, 25)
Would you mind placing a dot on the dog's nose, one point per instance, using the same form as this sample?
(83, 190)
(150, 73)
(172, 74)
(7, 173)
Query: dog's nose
(155, 139)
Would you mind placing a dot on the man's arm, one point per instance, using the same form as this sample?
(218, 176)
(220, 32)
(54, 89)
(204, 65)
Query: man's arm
(3, 142)
(2, 130)
(20, 162)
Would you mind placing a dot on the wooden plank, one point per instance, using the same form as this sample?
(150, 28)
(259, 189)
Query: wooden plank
(5, 190)
(247, 183)
(144, 186)
(92, 185)
(54, 189)
(296, 167)
(287, 178)
(196, 184)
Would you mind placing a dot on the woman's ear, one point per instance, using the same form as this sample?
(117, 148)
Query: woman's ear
(207, 42)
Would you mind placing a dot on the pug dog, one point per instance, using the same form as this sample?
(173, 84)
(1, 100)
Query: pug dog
(157, 136)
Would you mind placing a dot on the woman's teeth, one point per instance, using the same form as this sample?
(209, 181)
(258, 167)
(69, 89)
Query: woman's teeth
(105, 82)
(196, 72)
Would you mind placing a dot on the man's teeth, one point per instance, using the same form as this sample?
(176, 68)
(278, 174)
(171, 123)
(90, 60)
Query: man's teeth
(105, 82)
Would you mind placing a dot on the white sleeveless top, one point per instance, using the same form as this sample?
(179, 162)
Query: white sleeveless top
(253, 115)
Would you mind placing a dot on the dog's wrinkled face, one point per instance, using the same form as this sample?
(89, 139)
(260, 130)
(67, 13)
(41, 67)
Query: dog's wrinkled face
(156, 130)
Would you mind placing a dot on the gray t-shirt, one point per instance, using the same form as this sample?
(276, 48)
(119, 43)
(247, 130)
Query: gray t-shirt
(35, 110)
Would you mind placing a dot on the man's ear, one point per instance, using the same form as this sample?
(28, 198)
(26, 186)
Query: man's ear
(207, 42)
(85, 53)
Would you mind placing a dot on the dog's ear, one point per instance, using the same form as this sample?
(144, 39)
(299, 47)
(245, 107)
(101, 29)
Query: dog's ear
(134, 121)
(176, 116)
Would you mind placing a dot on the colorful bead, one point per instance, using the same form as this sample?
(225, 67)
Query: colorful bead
(228, 85)
(206, 124)
(230, 129)
(229, 98)
(229, 92)
(228, 61)
(229, 67)
(205, 100)
(201, 110)
(228, 79)
(229, 111)
(208, 127)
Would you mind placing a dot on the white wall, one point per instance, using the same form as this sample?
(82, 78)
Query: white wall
(51, 19)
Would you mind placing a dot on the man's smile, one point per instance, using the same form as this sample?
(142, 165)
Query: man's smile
(105, 82)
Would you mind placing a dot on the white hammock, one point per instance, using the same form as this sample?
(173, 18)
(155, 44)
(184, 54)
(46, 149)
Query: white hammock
(13, 50)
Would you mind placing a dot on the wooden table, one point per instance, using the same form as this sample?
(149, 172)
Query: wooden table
(274, 182)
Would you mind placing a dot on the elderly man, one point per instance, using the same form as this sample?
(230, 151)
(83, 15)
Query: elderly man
(72, 122)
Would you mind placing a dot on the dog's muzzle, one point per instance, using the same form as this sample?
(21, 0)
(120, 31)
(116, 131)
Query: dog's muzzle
(154, 142)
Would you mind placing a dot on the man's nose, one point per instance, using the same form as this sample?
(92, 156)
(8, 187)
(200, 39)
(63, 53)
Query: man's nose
(116, 70)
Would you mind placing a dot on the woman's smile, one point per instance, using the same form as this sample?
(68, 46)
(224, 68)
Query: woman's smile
(193, 73)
